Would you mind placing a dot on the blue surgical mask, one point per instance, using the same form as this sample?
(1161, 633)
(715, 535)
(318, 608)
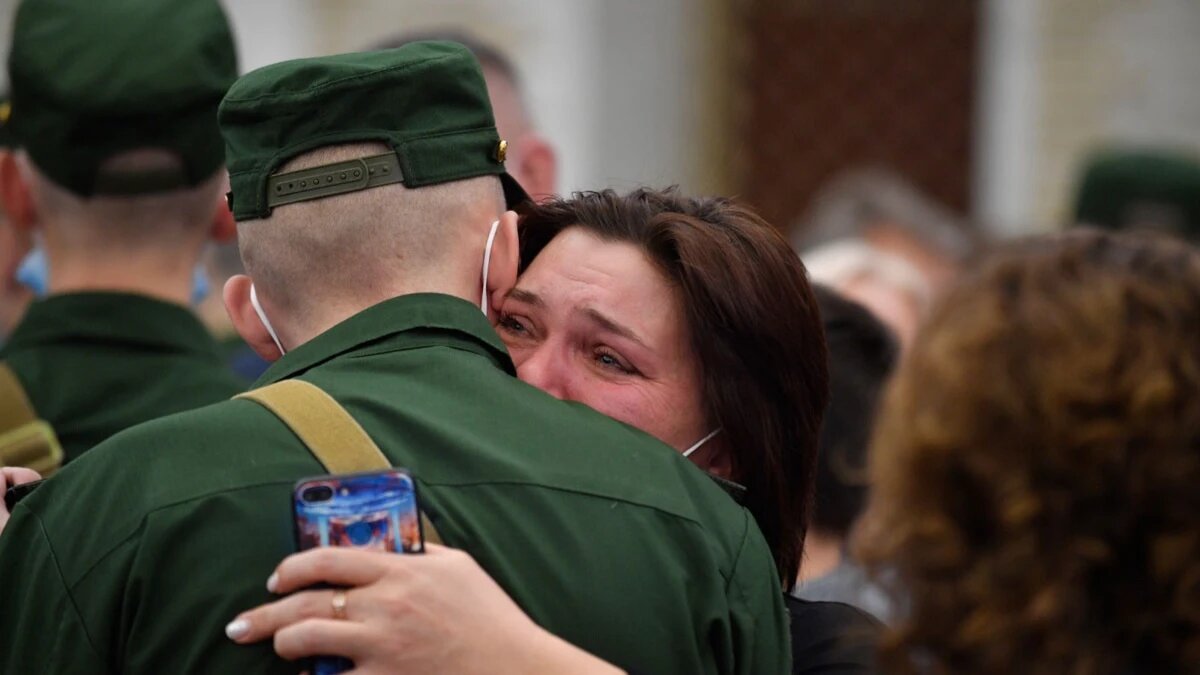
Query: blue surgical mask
(34, 274)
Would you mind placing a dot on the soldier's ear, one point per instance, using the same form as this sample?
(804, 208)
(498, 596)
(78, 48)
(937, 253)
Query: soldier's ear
(14, 193)
(506, 258)
(245, 319)
(224, 228)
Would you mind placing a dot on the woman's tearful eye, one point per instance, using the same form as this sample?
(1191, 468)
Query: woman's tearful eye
(611, 361)
(512, 325)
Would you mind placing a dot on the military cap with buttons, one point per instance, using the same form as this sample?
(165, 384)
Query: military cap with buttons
(93, 78)
(427, 100)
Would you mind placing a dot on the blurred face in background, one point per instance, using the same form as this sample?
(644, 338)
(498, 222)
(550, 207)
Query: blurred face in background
(14, 246)
(594, 321)
(530, 158)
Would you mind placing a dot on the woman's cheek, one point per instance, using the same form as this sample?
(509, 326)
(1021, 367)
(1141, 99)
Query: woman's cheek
(638, 407)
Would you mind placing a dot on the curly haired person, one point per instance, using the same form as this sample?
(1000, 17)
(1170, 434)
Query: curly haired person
(1035, 468)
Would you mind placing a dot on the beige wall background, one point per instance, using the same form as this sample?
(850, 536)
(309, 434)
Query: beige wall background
(623, 88)
(1063, 77)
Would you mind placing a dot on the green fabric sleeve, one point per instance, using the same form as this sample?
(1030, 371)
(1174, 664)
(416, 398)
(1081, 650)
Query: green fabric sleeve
(45, 635)
(762, 642)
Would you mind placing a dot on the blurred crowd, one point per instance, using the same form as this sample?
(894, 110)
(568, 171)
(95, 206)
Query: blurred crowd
(651, 431)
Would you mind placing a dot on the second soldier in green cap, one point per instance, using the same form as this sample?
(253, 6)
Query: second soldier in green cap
(120, 174)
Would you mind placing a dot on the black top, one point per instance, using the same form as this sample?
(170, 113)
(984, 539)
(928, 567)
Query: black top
(832, 638)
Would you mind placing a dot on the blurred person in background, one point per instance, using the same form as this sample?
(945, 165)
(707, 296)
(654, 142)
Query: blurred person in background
(689, 318)
(880, 209)
(531, 160)
(889, 286)
(1033, 492)
(120, 172)
(862, 353)
(1141, 189)
(15, 244)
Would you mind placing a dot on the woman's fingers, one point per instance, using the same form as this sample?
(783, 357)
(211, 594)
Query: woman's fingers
(15, 475)
(436, 549)
(9, 476)
(263, 621)
(336, 566)
(322, 637)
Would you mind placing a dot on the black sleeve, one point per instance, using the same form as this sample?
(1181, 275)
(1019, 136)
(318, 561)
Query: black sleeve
(831, 638)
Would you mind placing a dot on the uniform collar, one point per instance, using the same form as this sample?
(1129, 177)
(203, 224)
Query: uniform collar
(418, 318)
(114, 318)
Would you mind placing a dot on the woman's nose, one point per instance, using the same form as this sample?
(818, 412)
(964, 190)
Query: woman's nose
(540, 368)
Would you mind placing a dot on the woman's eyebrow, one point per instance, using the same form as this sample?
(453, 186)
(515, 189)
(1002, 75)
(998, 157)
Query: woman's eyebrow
(613, 327)
(527, 297)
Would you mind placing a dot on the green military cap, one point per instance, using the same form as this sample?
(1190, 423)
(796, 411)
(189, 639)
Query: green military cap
(1123, 189)
(91, 79)
(427, 100)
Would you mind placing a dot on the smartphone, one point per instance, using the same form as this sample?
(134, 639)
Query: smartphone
(378, 510)
(16, 493)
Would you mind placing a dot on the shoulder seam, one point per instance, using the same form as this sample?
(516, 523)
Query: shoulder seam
(582, 493)
(66, 587)
(142, 522)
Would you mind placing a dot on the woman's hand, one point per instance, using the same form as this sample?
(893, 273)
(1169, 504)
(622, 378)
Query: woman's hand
(10, 476)
(437, 612)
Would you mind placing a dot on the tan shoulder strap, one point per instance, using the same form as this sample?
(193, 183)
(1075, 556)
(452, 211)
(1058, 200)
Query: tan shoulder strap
(331, 434)
(15, 408)
(334, 437)
(25, 440)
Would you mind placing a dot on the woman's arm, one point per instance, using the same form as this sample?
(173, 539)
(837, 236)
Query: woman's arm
(437, 612)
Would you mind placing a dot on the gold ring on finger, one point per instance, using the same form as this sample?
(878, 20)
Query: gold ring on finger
(339, 604)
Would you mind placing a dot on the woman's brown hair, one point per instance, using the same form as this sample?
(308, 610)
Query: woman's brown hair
(755, 330)
(1036, 469)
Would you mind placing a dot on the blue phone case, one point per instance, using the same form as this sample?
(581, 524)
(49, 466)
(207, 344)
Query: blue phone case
(377, 510)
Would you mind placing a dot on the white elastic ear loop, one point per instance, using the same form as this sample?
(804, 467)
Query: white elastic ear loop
(701, 442)
(487, 263)
(262, 316)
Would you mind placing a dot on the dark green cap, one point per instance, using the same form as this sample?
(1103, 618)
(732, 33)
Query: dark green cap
(91, 79)
(1123, 189)
(427, 100)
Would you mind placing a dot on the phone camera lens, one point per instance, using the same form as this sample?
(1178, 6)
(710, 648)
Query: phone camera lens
(320, 493)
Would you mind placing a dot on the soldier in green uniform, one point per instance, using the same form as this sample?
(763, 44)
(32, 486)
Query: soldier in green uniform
(368, 190)
(121, 174)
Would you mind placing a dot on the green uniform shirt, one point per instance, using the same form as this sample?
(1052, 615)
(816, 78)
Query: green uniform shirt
(94, 364)
(133, 559)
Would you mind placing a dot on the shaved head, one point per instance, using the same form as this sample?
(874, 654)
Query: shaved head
(170, 220)
(368, 245)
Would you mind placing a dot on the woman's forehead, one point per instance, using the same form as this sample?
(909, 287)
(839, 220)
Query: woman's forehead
(581, 274)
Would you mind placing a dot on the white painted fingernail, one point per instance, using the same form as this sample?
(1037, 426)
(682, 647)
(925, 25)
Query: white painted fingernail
(272, 581)
(237, 628)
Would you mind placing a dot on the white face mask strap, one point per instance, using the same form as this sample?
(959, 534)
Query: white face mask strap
(262, 316)
(487, 263)
(702, 441)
